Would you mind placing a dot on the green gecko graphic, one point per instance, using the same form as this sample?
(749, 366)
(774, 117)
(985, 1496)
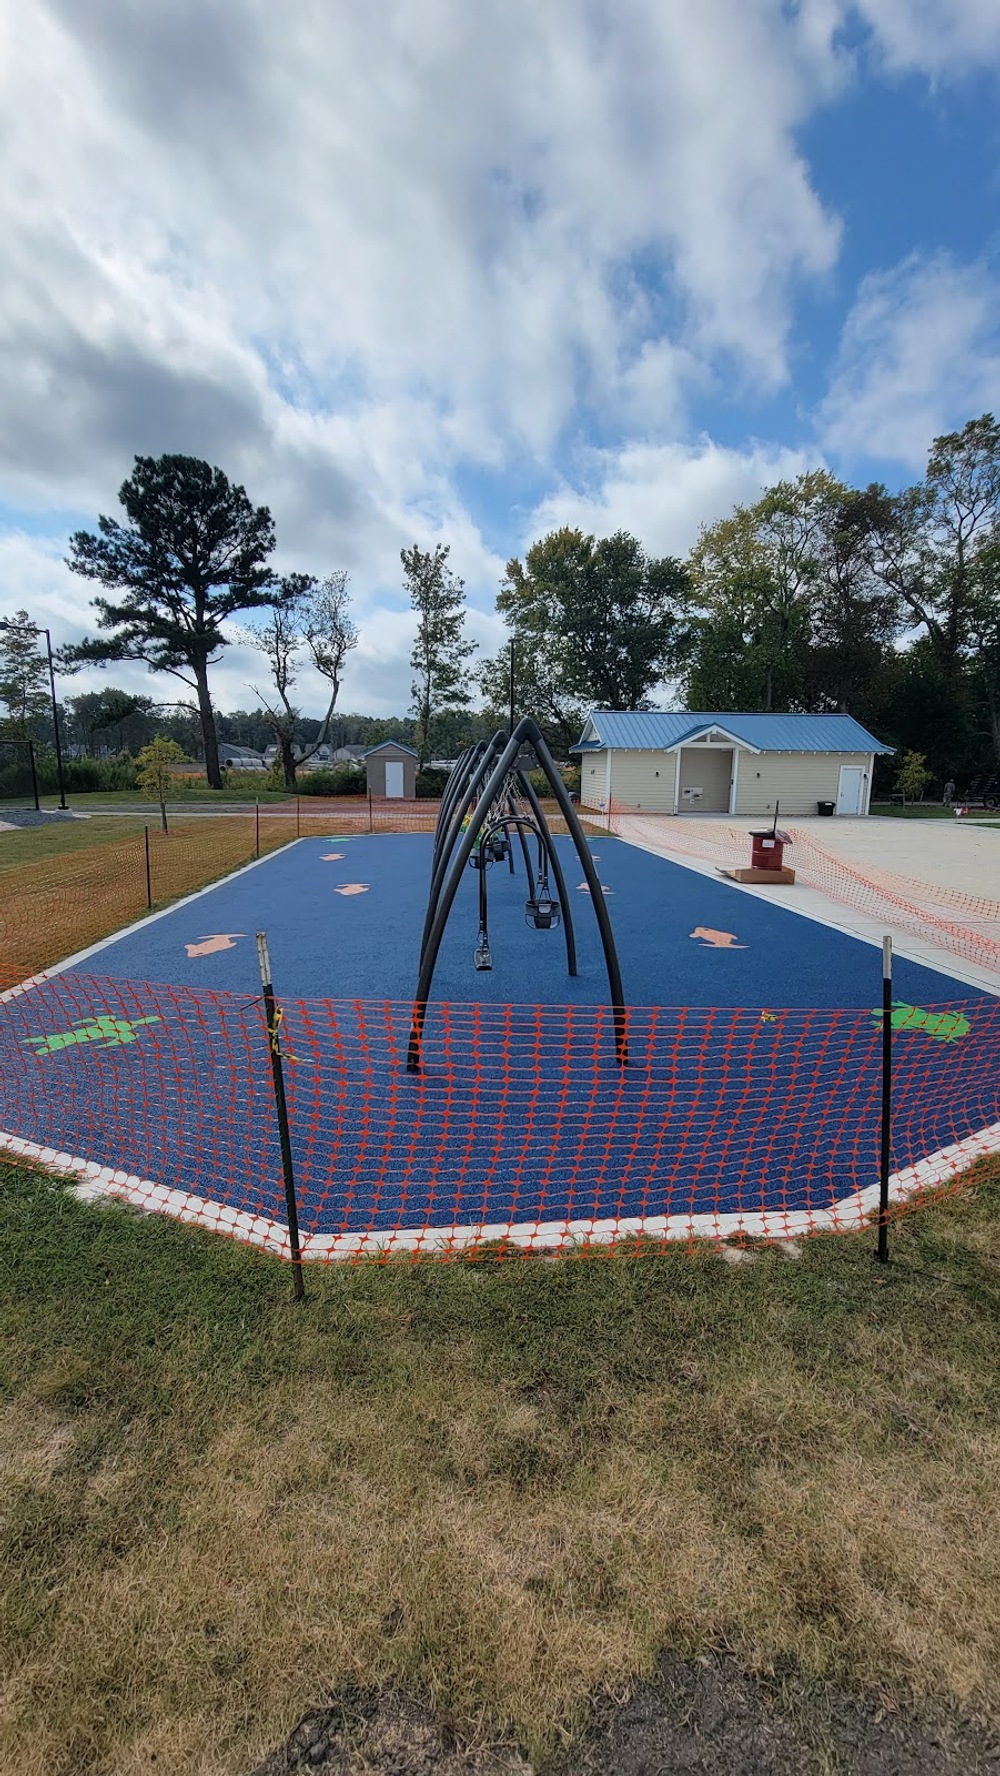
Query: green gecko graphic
(943, 1026)
(107, 1032)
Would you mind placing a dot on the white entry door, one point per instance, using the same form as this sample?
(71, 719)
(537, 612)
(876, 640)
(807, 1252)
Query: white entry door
(393, 777)
(851, 795)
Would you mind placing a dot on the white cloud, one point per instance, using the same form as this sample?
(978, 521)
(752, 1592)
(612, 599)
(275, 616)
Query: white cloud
(920, 354)
(345, 252)
(663, 494)
(934, 36)
(215, 213)
(348, 252)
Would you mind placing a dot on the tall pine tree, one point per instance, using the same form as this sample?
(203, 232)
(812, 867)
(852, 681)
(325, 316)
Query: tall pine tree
(193, 553)
(24, 681)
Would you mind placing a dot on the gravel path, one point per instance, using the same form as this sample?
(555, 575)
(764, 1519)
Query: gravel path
(13, 818)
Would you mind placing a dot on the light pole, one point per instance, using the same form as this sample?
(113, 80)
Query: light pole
(35, 630)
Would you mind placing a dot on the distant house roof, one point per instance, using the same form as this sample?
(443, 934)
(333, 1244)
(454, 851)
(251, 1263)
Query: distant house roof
(664, 730)
(228, 750)
(392, 746)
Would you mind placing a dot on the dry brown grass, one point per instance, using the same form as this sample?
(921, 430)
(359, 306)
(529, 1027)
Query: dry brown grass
(63, 900)
(57, 897)
(501, 1487)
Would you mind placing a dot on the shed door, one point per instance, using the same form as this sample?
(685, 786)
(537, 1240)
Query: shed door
(393, 777)
(851, 795)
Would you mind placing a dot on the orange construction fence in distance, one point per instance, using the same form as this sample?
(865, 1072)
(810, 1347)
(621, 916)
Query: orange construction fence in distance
(56, 906)
(949, 918)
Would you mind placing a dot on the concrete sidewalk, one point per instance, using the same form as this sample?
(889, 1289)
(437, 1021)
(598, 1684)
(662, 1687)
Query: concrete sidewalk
(928, 858)
(959, 854)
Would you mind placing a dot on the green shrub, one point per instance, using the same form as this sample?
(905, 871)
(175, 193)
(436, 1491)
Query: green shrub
(342, 780)
(247, 782)
(913, 776)
(540, 784)
(430, 783)
(83, 774)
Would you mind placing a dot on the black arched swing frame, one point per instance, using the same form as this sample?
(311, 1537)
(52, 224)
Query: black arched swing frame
(482, 775)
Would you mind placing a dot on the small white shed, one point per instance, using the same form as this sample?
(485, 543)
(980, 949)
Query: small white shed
(697, 762)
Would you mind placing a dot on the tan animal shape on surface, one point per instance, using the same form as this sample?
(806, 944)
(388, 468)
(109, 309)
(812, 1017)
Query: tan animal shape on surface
(583, 889)
(716, 940)
(207, 946)
(333, 857)
(352, 888)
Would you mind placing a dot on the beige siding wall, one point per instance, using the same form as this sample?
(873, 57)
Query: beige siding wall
(592, 778)
(710, 769)
(798, 779)
(646, 779)
(635, 783)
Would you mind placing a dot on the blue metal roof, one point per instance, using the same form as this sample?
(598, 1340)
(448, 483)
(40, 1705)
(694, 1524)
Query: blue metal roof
(659, 730)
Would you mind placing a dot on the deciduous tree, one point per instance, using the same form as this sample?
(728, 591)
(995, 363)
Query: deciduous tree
(922, 542)
(313, 617)
(598, 623)
(154, 774)
(440, 650)
(791, 612)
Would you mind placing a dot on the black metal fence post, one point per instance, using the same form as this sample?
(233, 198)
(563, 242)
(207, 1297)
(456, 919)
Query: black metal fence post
(34, 774)
(882, 1249)
(298, 820)
(149, 873)
(256, 828)
(281, 1105)
(371, 823)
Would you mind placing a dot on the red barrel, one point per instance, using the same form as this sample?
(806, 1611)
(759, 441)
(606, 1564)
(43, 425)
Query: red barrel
(768, 849)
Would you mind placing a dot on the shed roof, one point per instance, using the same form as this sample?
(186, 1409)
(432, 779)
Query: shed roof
(663, 730)
(392, 746)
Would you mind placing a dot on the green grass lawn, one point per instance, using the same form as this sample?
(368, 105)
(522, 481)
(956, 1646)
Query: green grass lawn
(187, 790)
(27, 844)
(503, 1486)
(929, 811)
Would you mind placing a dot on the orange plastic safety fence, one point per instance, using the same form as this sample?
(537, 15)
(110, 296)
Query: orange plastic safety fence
(951, 919)
(59, 905)
(352, 814)
(520, 1128)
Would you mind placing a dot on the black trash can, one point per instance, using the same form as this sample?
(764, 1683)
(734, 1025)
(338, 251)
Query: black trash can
(825, 807)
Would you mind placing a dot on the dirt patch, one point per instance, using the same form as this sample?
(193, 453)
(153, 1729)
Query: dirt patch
(699, 1717)
(372, 1733)
(708, 1716)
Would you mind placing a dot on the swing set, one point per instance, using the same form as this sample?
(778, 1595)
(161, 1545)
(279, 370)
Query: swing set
(488, 802)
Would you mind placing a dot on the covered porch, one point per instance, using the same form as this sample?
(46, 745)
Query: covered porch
(707, 772)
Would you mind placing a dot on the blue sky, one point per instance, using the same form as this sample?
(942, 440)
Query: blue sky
(434, 272)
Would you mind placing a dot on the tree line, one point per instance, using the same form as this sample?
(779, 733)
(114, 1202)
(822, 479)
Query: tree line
(817, 597)
(192, 556)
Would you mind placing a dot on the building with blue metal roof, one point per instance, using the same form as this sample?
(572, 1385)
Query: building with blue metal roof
(726, 762)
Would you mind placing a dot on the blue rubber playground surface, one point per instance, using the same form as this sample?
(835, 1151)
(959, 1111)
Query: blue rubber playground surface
(754, 1082)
